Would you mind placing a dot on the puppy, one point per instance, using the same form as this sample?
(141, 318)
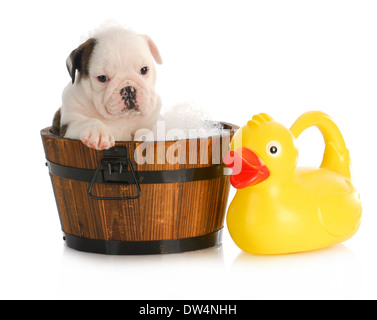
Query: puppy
(112, 93)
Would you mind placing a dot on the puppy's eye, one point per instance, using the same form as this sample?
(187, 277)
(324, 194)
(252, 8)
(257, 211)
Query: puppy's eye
(144, 70)
(102, 78)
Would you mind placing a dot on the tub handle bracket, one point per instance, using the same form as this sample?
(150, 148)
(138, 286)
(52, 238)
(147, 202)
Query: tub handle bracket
(115, 160)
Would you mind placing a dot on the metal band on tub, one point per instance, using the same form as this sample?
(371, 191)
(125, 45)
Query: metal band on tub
(118, 169)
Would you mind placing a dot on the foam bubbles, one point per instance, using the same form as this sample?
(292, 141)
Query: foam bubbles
(183, 121)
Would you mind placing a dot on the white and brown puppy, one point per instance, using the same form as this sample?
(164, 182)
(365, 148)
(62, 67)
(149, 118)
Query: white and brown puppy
(112, 92)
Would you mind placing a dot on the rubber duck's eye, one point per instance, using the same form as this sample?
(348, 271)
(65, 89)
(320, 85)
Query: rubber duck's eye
(144, 70)
(102, 78)
(273, 149)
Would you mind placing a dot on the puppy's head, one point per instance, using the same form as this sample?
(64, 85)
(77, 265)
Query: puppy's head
(117, 71)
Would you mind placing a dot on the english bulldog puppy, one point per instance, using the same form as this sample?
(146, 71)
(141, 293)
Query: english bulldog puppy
(112, 93)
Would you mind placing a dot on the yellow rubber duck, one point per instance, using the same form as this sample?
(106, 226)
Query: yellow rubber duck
(279, 208)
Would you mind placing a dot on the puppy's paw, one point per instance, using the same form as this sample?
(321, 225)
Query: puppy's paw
(97, 136)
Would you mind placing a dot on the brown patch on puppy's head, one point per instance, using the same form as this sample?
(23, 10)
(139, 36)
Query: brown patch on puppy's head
(79, 59)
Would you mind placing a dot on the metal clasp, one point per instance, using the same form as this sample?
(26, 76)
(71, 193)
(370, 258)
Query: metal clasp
(115, 164)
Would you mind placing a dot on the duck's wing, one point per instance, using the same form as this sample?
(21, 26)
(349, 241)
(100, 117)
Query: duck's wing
(340, 212)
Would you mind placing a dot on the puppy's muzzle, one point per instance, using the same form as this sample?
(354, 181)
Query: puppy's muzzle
(128, 95)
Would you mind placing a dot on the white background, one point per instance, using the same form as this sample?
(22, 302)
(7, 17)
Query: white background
(232, 58)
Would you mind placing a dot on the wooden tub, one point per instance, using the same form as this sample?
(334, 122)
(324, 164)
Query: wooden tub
(108, 203)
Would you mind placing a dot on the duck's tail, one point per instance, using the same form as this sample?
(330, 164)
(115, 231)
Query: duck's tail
(336, 156)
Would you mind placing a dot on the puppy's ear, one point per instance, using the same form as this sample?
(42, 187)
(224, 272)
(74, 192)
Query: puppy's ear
(154, 50)
(79, 59)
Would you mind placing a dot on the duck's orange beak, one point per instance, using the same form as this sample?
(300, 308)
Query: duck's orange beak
(248, 168)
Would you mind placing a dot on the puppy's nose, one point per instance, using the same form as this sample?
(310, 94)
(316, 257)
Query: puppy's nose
(129, 97)
(128, 93)
(130, 89)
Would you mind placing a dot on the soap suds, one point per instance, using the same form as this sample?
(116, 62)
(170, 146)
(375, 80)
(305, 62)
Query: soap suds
(183, 121)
